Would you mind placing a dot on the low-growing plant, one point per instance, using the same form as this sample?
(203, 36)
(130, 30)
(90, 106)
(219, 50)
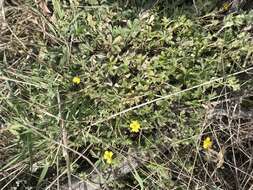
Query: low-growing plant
(95, 87)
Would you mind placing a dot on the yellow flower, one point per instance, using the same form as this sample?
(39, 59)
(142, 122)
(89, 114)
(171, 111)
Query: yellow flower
(207, 143)
(108, 156)
(135, 126)
(76, 80)
(226, 6)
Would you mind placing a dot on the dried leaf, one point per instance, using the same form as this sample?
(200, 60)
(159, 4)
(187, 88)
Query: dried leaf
(220, 157)
(43, 5)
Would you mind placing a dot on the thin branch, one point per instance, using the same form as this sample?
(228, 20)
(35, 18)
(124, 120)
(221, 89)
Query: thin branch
(64, 141)
(195, 6)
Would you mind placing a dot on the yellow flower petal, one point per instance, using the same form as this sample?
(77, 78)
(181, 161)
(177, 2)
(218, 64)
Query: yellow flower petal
(76, 80)
(135, 126)
(207, 143)
(108, 156)
(226, 6)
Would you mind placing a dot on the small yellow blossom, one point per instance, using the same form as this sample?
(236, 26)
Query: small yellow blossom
(108, 156)
(76, 80)
(207, 143)
(135, 126)
(226, 6)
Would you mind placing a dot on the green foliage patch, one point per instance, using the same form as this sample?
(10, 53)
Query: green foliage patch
(123, 58)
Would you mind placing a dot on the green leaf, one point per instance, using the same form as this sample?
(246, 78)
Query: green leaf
(43, 173)
(138, 179)
(57, 8)
(93, 2)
